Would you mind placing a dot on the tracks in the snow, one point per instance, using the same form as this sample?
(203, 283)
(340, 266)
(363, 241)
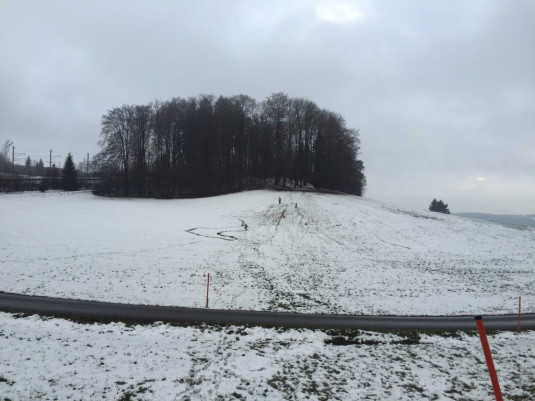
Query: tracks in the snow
(222, 234)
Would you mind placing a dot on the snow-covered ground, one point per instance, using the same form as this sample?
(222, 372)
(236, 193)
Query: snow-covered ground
(56, 359)
(331, 253)
(52, 359)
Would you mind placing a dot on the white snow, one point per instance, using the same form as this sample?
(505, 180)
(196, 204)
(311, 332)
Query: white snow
(333, 253)
(49, 359)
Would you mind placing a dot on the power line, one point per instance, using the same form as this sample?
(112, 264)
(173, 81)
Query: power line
(15, 155)
(40, 151)
(50, 165)
(36, 154)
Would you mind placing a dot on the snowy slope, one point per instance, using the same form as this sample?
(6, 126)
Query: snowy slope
(331, 253)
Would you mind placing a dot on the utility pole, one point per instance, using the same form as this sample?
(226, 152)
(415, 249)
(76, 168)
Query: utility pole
(87, 170)
(50, 162)
(15, 154)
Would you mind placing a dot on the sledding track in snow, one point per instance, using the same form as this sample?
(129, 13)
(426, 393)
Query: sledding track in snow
(221, 233)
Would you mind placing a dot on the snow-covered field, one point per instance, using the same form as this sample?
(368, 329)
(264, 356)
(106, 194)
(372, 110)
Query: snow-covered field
(331, 253)
(53, 359)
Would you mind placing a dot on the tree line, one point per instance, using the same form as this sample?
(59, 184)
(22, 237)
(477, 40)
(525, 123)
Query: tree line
(35, 169)
(207, 146)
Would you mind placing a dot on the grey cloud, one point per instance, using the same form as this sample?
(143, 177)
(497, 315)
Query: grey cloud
(440, 91)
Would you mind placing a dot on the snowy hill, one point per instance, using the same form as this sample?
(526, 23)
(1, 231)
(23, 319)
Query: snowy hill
(331, 254)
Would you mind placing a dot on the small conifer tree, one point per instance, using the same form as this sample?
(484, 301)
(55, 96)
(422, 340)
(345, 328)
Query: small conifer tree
(28, 166)
(69, 175)
(439, 206)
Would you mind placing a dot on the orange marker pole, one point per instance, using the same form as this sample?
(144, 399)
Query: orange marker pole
(488, 358)
(207, 289)
(519, 312)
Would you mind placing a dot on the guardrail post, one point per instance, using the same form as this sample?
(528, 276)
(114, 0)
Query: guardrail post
(488, 358)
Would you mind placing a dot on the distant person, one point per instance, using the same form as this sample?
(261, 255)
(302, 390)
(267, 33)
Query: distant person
(279, 200)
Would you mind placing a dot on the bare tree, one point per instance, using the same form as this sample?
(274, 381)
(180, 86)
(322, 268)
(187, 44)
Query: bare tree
(206, 146)
(141, 130)
(4, 156)
(276, 110)
(5, 148)
(116, 138)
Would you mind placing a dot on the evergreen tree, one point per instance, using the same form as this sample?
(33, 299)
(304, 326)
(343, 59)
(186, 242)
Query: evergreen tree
(28, 166)
(439, 206)
(69, 175)
(443, 207)
(40, 168)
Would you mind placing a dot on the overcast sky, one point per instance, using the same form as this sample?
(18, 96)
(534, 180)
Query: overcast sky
(443, 92)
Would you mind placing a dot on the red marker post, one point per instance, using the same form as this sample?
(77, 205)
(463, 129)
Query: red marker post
(488, 359)
(207, 289)
(519, 312)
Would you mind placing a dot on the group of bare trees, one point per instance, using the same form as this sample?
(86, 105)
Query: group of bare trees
(5, 163)
(205, 146)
